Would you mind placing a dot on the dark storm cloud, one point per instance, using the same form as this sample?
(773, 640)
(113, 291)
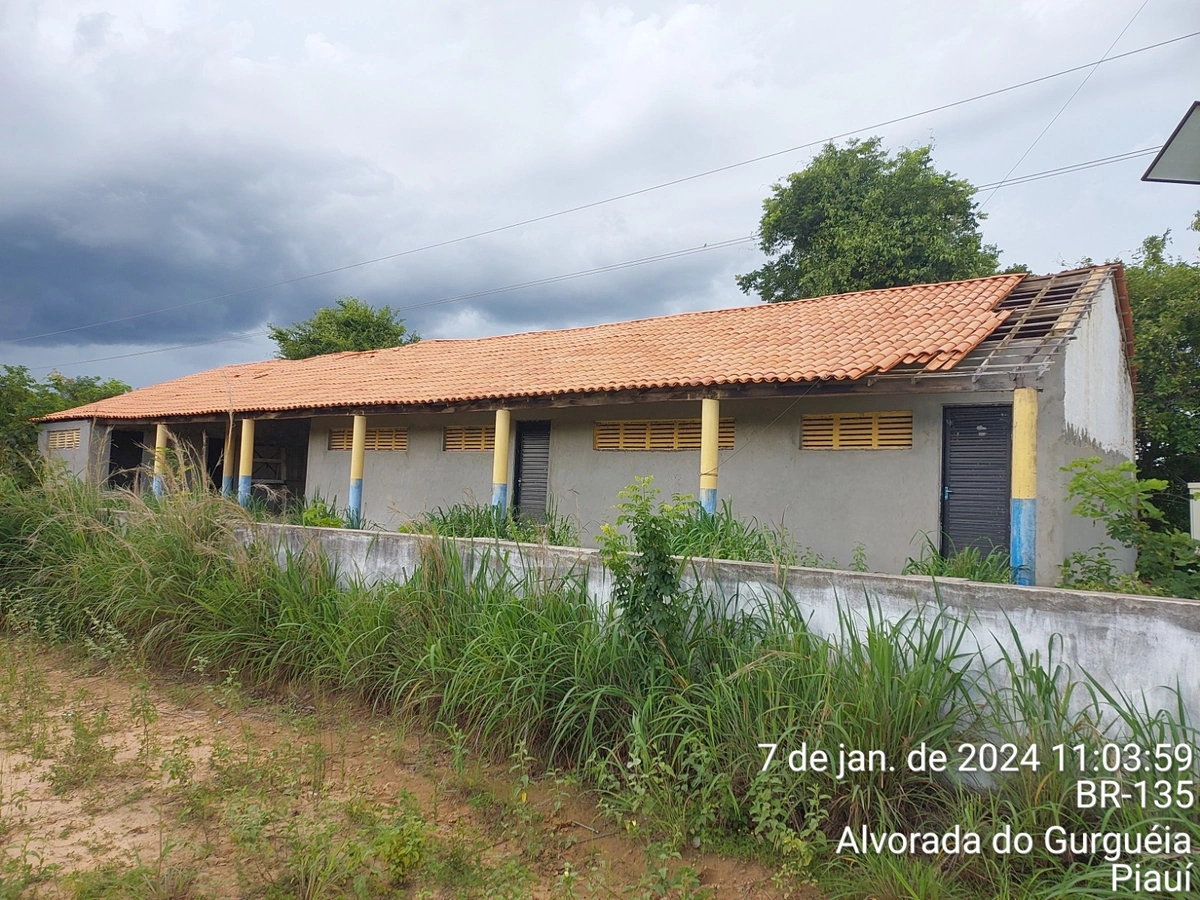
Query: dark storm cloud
(158, 153)
(185, 223)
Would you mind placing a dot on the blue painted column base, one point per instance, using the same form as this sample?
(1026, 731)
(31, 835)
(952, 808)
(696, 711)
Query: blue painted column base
(243, 492)
(227, 486)
(158, 486)
(500, 495)
(354, 507)
(708, 500)
(1023, 540)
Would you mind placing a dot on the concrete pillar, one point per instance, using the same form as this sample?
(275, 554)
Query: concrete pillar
(710, 432)
(500, 460)
(358, 451)
(1194, 506)
(246, 463)
(227, 462)
(160, 458)
(1023, 521)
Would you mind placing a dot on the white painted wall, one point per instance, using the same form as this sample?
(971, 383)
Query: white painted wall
(1098, 394)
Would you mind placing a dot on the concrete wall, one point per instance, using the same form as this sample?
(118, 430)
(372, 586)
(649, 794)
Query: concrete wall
(398, 485)
(888, 500)
(1086, 410)
(82, 461)
(1137, 645)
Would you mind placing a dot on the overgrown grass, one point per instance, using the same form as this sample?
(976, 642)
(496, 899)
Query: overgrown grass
(670, 740)
(970, 563)
(470, 520)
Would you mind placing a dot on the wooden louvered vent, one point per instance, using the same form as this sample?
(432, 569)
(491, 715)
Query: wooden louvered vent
(377, 439)
(63, 439)
(857, 431)
(661, 434)
(469, 437)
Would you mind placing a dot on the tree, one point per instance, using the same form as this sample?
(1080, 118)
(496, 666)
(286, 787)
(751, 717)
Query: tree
(857, 218)
(1164, 293)
(23, 397)
(351, 324)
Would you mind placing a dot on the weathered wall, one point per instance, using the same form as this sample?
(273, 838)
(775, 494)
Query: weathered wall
(888, 500)
(1096, 416)
(398, 485)
(80, 461)
(1136, 645)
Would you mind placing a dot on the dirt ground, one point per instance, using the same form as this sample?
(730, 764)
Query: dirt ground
(115, 782)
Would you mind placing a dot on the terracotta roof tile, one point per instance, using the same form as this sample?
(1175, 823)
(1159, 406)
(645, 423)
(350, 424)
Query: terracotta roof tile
(847, 336)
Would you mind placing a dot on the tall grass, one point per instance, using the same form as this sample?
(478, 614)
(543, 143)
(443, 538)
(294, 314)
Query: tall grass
(970, 562)
(668, 740)
(470, 520)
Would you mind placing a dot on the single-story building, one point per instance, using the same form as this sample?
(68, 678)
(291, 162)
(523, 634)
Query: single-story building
(880, 418)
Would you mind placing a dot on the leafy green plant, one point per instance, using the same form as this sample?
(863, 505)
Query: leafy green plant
(317, 512)
(970, 563)
(86, 757)
(646, 580)
(1168, 560)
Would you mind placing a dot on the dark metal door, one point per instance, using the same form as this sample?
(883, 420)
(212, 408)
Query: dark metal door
(532, 470)
(976, 477)
(125, 458)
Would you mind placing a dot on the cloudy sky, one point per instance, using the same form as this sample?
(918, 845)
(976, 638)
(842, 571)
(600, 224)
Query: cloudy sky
(165, 166)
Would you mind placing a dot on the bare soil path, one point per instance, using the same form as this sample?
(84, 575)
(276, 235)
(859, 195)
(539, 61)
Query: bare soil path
(116, 782)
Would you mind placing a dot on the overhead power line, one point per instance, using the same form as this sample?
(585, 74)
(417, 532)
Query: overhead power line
(552, 279)
(1063, 108)
(627, 264)
(617, 197)
(1066, 170)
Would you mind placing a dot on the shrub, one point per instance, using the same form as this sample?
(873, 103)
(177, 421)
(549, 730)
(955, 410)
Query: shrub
(1168, 560)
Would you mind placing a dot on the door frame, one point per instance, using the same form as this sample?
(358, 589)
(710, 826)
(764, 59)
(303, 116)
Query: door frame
(944, 546)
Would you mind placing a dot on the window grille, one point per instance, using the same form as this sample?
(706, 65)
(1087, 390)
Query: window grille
(63, 439)
(388, 439)
(857, 431)
(661, 434)
(469, 437)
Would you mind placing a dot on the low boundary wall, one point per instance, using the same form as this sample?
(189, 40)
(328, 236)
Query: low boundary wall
(1139, 646)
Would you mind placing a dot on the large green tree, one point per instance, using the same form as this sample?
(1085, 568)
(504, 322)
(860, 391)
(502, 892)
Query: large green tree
(350, 324)
(23, 397)
(857, 218)
(1164, 292)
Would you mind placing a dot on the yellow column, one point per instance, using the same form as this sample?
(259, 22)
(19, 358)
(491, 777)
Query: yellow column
(160, 458)
(227, 462)
(246, 463)
(358, 451)
(710, 431)
(500, 460)
(1023, 515)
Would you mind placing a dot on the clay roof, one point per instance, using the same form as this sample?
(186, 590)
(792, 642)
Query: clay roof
(847, 336)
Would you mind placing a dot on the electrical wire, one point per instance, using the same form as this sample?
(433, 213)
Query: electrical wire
(553, 279)
(1063, 108)
(596, 203)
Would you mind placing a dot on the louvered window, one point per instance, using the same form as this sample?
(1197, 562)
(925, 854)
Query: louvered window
(377, 439)
(63, 439)
(469, 437)
(857, 431)
(662, 434)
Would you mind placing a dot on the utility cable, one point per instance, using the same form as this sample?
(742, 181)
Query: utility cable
(1063, 108)
(596, 203)
(732, 242)
(552, 279)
